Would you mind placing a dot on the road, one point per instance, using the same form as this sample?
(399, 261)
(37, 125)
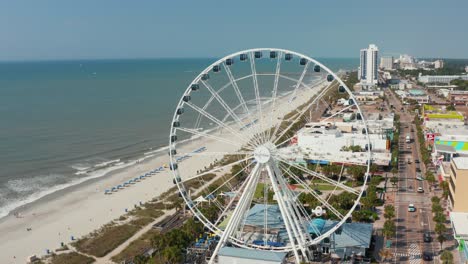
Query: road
(408, 245)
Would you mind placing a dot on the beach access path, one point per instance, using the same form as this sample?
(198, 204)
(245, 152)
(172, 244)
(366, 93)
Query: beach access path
(81, 209)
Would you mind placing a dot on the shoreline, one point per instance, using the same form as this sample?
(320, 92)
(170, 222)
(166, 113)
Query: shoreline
(82, 208)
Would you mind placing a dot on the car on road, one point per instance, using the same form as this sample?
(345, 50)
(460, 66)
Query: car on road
(427, 237)
(411, 208)
(416, 161)
(427, 256)
(419, 177)
(408, 146)
(420, 190)
(418, 170)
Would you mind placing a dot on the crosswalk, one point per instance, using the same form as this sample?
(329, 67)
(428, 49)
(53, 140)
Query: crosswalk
(413, 253)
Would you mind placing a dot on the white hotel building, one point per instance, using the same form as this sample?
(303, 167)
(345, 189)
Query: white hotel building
(368, 74)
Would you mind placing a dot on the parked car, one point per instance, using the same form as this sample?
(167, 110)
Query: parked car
(419, 177)
(420, 190)
(427, 237)
(416, 161)
(411, 208)
(427, 256)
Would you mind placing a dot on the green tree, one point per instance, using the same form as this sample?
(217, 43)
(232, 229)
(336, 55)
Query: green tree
(385, 254)
(446, 257)
(394, 180)
(440, 228)
(389, 229)
(451, 107)
(439, 217)
(441, 238)
(445, 189)
(389, 212)
(357, 172)
(370, 200)
(435, 199)
(430, 179)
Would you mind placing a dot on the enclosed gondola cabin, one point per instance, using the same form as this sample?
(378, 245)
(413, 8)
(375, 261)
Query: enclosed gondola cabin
(205, 77)
(176, 124)
(316, 68)
(303, 61)
(351, 102)
(229, 62)
(243, 57)
(358, 116)
(173, 138)
(341, 89)
(273, 54)
(173, 166)
(180, 111)
(216, 68)
(288, 56)
(195, 87)
(329, 77)
(186, 98)
(172, 152)
(258, 54)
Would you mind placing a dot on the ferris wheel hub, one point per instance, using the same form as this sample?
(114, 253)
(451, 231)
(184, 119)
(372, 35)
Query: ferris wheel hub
(263, 153)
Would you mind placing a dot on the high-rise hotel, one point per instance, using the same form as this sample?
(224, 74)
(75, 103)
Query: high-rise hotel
(368, 74)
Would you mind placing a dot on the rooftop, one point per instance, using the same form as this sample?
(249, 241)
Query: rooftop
(348, 235)
(462, 164)
(252, 254)
(460, 224)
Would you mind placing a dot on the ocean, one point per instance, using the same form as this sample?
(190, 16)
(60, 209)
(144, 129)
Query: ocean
(63, 122)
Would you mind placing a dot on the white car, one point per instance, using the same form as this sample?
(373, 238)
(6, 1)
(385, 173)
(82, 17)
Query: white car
(420, 190)
(411, 208)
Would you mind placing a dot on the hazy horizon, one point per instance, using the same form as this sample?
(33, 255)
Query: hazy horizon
(55, 30)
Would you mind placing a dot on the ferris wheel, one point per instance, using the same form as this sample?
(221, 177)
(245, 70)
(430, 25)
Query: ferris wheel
(240, 158)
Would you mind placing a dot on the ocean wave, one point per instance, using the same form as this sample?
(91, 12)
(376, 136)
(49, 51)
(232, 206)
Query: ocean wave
(33, 189)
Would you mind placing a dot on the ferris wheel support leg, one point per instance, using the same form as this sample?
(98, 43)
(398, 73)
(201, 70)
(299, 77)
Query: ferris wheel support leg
(238, 212)
(291, 206)
(284, 212)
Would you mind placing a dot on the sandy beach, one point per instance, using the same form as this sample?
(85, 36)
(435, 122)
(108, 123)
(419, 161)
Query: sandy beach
(78, 210)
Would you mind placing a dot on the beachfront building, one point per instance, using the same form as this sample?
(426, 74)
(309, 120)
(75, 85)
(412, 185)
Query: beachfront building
(232, 255)
(441, 78)
(386, 63)
(368, 95)
(326, 145)
(350, 241)
(458, 184)
(438, 64)
(458, 97)
(368, 66)
(459, 222)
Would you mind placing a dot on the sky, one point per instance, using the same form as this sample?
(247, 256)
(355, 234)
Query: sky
(111, 29)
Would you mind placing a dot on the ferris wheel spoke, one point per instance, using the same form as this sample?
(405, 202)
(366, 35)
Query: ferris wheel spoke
(275, 91)
(257, 95)
(211, 153)
(337, 113)
(301, 113)
(321, 177)
(208, 135)
(239, 210)
(313, 193)
(298, 83)
(240, 97)
(224, 105)
(197, 123)
(298, 113)
(217, 121)
(219, 168)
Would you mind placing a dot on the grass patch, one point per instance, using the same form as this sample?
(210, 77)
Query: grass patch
(106, 239)
(323, 187)
(135, 248)
(71, 258)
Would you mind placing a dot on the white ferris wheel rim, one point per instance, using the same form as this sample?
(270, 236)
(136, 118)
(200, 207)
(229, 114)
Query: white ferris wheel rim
(208, 224)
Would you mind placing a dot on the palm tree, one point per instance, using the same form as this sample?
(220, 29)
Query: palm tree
(446, 257)
(441, 238)
(389, 229)
(389, 212)
(385, 254)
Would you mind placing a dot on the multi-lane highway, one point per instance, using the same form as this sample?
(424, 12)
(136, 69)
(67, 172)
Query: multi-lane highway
(409, 245)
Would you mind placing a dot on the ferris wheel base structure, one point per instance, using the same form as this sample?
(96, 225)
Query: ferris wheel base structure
(249, 106)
